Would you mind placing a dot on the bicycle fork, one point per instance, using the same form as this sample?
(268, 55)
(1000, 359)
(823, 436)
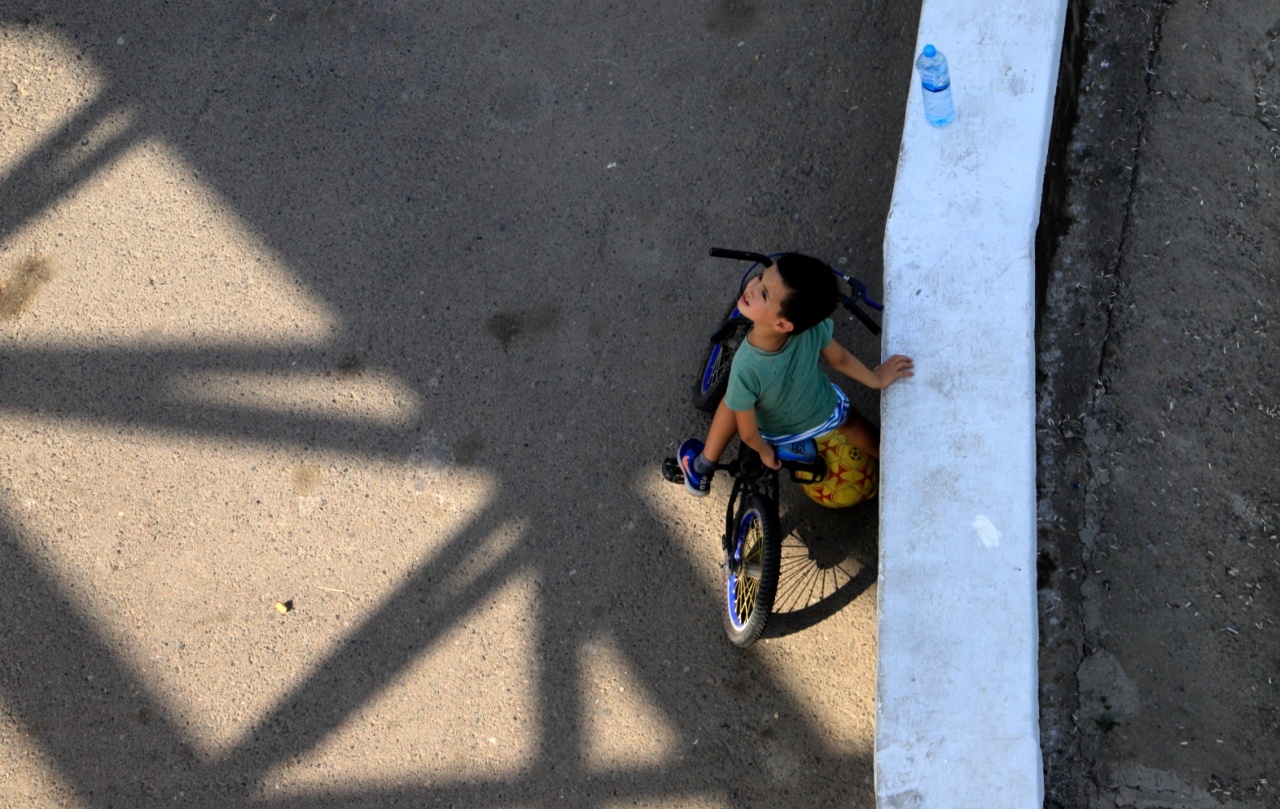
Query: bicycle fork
(743, 485)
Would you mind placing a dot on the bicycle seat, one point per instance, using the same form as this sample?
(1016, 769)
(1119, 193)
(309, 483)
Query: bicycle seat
(802, 460)
(803, 452)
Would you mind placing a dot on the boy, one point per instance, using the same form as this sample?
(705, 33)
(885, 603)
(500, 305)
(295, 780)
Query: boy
(777, 394)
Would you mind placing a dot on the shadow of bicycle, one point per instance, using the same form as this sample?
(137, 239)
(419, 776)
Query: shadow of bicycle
(828, 562)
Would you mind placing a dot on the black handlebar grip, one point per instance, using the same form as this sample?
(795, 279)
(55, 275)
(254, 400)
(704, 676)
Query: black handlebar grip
(871, 325)
(742, 255)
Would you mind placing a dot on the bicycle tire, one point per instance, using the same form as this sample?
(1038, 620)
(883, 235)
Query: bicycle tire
(751, 572)
(713, 376)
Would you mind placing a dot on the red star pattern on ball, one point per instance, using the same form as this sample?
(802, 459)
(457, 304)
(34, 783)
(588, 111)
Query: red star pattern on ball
(839, 476)
(851, 476)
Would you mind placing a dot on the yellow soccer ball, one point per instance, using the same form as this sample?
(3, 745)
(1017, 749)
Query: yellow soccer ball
(852, 476)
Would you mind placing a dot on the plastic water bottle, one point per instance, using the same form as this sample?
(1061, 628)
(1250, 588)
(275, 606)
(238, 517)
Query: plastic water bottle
(935, 80)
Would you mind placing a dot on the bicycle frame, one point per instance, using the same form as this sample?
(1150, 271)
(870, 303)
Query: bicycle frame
(751, 476)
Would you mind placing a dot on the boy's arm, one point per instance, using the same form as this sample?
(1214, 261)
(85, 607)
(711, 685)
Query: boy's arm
(749, 434)
(884, 375)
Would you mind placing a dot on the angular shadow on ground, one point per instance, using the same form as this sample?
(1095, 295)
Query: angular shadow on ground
(490, 215)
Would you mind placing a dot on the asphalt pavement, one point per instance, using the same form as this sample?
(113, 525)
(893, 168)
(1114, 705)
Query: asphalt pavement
(341, 344)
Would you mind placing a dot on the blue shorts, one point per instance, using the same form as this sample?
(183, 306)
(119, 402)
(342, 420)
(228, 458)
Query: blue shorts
(835, 420)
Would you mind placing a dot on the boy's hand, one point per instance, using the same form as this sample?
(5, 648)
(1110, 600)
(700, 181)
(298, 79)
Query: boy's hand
(893, 369)
(769, 457)
(749, 434)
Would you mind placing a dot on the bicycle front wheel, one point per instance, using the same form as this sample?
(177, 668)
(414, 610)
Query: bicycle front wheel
(713, 375)
(751, 571)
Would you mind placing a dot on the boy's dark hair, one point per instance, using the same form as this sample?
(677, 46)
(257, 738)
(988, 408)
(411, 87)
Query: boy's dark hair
(814, 291)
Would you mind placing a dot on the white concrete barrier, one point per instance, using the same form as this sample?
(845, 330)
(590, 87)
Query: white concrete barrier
(957, 720)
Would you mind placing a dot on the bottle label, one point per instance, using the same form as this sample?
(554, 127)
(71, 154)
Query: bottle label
(935, 88)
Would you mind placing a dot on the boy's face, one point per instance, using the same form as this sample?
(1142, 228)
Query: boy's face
(761, 301)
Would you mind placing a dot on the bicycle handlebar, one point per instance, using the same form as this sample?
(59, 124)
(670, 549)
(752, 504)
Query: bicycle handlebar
(863, 316)
(742, 255)
(859, 288)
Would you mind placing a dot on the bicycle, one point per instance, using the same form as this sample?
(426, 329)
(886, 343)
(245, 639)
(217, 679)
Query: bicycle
(752, 540)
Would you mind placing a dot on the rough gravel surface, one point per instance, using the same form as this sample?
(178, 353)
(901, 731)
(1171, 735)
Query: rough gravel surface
(1160, 418)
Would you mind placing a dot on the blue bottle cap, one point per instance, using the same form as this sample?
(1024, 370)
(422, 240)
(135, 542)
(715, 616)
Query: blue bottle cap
(930, 51)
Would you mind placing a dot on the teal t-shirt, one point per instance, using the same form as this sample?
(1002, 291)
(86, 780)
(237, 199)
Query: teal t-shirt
(786, 388)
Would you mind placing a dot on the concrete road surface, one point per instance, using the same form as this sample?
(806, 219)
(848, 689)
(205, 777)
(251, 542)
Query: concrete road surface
(340, 343)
